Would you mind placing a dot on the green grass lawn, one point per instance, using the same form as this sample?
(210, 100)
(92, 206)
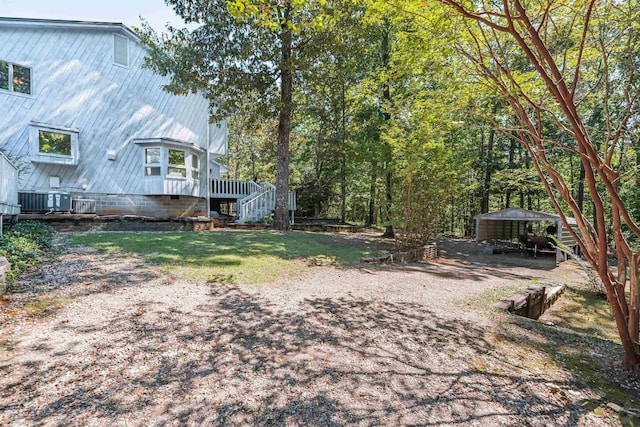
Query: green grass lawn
(233, 257)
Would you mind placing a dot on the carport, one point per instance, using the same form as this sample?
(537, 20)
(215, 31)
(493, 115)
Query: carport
(508, 224)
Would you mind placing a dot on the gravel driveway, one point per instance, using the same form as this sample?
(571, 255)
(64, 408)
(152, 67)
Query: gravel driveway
(335, 346)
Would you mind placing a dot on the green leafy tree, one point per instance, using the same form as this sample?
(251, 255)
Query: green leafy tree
(239, 48)
(581, 58)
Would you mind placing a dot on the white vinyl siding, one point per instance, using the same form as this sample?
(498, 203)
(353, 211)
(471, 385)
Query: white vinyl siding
(77, 85)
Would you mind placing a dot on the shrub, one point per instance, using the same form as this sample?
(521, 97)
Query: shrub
(21, 246)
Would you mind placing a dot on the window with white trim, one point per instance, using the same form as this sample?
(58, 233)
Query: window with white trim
(170, 159)
(120, 50)
(15, 78)
(51, 144)
(152, 161)
(195, 167)
(177, 164)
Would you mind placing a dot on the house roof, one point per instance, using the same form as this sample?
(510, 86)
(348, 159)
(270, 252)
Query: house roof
(223, 168)
(115, 27)
(169, 142)
(519, 214)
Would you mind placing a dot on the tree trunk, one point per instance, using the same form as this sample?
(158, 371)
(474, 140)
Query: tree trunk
(281, 217)
(512, 153)
(634, 299)
(388, 230)
(372, 195)
(486, 187)
(386, 99)
(343, 162)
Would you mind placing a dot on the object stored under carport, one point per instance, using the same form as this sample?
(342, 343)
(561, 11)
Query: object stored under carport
(510, 223)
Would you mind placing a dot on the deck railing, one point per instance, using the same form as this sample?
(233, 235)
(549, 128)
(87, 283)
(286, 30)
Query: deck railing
(8, 187)
(292, 201)
(259, 204)
(255, 201)
(232, 188)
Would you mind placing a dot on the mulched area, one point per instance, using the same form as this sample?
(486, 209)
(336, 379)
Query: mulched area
(374, 345)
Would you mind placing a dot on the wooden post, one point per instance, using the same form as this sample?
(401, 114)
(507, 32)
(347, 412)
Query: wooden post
(559, 253)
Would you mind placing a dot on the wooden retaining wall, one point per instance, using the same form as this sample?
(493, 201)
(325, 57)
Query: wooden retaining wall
(532, 302)
(334, 228)
(421, 254)
(90, 222)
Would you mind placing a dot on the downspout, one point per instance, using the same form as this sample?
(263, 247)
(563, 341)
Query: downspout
(208, 169)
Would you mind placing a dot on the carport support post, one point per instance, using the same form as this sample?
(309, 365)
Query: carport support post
(559, 253)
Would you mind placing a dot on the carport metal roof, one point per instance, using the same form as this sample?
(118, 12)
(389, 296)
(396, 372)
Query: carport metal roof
(519, 214)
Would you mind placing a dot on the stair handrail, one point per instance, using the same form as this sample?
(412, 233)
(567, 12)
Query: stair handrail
(253, 201)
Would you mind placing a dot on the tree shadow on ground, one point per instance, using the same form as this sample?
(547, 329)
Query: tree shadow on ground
(471, 253)
(237, 359)
(595, 361)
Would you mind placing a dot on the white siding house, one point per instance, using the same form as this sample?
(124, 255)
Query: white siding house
(79, 114)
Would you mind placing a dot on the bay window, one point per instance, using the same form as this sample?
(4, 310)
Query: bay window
(170, 159)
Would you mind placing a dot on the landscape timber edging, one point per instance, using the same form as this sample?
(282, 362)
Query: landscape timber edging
(248, 226)
(93, 223)
(421, 254)
(532, 302)
(335, 228)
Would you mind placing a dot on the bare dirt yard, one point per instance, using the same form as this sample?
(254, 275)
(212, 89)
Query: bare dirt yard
(103, 339)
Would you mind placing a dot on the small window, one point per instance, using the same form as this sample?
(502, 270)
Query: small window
(50, 144)
(54, 143)
(4, 75)
(195, 167)
(152, 161)
(121, 50)
(177, 167)
(15, 78)
(176, 157)
(152, 171)
(21, 79)
(152, 155)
